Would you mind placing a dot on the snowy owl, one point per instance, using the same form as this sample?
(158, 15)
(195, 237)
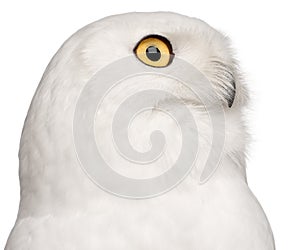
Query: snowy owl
(135, 140)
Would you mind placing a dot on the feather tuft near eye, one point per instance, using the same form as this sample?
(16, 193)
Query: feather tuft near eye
(224, 80)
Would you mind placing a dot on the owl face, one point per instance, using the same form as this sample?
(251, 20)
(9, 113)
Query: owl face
(111, 87)
(161, 45)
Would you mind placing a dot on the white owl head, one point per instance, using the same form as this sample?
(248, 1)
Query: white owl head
(93, 123)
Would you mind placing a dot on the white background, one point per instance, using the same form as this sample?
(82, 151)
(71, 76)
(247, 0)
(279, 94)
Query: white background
(266, 35)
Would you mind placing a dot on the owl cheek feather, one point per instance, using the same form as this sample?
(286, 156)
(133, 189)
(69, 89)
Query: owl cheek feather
(231, 94)
(224, 81)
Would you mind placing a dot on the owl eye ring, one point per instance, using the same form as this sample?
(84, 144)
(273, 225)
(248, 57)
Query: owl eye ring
(154, 51)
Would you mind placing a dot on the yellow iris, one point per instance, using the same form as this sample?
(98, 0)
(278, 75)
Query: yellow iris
(154, 51)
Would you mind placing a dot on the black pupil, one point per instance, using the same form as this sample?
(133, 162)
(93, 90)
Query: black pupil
(153, 53)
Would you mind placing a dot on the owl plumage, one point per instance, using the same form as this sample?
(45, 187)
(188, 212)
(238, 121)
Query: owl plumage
(61, 207)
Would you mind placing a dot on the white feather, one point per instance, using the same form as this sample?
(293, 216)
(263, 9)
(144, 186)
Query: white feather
(61, 208)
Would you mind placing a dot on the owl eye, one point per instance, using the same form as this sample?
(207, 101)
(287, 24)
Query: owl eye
(155, 51)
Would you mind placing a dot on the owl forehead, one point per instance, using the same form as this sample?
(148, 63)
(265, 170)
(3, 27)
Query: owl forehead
(131, 27)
